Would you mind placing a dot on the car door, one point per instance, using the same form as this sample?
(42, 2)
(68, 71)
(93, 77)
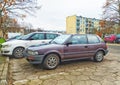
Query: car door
(93, 44)
(78, 47)
(37, 38)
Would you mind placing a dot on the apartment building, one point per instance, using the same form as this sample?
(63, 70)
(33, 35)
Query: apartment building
(81, 25)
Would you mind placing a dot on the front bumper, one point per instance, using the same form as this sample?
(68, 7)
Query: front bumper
(6, 51)
(34, 59)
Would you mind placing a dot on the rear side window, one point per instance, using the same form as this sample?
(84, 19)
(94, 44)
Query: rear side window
(38, 36)
(92, 39)
(51, 36)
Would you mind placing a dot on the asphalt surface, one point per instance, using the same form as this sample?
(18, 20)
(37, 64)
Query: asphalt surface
(114, 48)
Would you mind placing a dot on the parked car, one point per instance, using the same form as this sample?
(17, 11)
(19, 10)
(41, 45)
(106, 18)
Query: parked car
(16, 47)
(117, 38)
(65, 48)
(110, 38)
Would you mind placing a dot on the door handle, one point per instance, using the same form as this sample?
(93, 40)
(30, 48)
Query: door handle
(86, 46)
(43, 41)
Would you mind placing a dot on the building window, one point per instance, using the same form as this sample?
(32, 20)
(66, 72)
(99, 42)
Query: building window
(78, 24)
(78, 20)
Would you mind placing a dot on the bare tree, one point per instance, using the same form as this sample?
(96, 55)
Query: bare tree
(16, 8)
(111, 13)
(112, 10)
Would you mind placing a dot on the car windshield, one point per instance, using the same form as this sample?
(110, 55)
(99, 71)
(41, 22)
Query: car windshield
(118, 36)
(24, 37)
(19, 37)
(60, 39)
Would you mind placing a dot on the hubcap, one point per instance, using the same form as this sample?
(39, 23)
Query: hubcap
(52, 61)
(18, 52)
(99, 56)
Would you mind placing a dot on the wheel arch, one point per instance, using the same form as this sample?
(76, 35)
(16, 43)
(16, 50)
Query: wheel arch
(52, 53)
(18, 47)
(100, 50)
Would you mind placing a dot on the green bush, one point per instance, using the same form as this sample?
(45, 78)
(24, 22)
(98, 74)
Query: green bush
(2, 40)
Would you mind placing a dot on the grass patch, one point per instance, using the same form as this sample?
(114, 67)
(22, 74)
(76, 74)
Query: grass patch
(2, 59)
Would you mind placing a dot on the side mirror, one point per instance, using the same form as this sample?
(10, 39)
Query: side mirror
(68, 43)
(30, 39)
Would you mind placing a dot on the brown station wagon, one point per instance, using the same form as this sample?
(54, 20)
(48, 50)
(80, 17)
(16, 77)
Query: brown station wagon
(67, 47)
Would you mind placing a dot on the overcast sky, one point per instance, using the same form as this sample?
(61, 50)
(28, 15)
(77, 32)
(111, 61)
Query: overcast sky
(52, 15)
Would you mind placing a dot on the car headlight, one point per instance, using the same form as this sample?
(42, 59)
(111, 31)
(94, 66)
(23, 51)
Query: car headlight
(6, 46)
(32, 52)
(35, 53)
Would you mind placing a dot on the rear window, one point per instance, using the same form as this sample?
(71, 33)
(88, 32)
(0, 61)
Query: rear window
(92, 39)
(51, 36)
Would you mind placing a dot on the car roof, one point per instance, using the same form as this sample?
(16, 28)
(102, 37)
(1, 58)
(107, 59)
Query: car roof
(83, 34)
(47, 32)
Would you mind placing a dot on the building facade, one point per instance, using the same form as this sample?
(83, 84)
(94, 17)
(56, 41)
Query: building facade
(81, 25)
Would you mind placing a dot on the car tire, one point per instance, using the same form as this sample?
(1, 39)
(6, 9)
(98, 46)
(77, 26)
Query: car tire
(99, 56)
(18, 52)
(51, 61)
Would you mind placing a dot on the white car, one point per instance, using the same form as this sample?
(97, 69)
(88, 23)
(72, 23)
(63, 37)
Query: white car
(15, 48)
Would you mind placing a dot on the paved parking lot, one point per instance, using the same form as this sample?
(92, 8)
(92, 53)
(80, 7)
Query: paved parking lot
(81, 72)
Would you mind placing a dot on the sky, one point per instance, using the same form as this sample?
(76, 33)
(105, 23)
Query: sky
(53, 13)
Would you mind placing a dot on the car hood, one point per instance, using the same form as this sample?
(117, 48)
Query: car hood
(14, 42)
(44, 47)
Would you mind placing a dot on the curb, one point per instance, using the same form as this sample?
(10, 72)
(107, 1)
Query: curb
(4, 75)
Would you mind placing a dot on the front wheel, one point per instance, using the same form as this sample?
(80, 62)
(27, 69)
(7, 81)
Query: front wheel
(51, 61)
(99, 56)
(18, 52)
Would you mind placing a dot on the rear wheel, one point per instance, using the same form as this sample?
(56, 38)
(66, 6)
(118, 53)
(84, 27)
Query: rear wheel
(51, 61)
(18, 52)
(99, 56)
